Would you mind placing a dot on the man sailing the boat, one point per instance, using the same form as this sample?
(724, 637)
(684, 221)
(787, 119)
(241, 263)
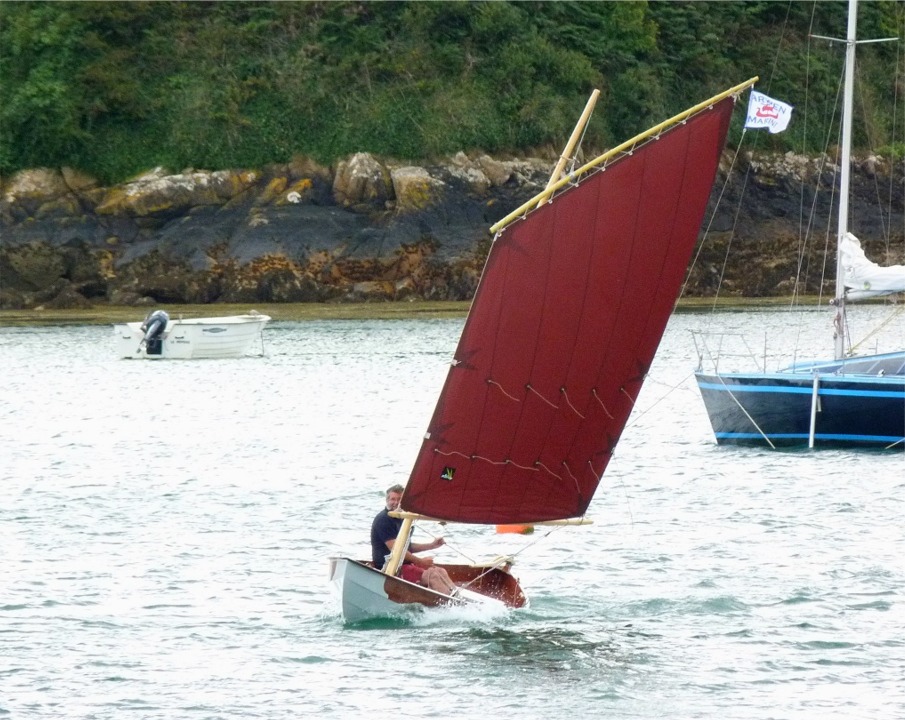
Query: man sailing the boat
(420, 570)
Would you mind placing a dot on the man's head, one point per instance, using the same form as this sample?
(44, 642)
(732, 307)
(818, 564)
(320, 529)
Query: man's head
(394, 495)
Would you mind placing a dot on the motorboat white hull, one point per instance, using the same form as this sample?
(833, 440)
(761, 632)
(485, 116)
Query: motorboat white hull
(366, 593)
(195, 338)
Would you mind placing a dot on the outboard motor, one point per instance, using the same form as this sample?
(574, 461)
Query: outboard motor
(153, 326)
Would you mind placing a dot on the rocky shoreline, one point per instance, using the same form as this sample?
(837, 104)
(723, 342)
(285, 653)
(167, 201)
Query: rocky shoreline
(374, 230)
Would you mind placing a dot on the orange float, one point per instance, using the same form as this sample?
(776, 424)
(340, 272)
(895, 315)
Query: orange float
(520, 529)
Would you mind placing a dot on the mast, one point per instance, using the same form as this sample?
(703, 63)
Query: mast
(570, 146)
(845, 171)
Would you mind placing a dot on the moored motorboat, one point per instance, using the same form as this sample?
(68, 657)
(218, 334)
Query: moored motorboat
(160, 337)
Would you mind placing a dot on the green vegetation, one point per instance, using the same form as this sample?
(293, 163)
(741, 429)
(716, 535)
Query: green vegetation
(114, 88)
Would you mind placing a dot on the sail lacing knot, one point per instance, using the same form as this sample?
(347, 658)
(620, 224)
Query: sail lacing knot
(552, 405)
(507, 461)
(594, 393)
(494, 382)
(630, 399)
(453, 452)
(536, 466)
(549, 471)
(521, 467)
(566, 396)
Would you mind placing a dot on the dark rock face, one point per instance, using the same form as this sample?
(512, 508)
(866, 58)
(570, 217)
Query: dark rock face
(774, 232)
(372, 230)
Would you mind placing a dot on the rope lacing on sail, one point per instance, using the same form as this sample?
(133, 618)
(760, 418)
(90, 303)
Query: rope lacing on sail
(562, 391)
(531, 389)
(597, 397)
(502, 390)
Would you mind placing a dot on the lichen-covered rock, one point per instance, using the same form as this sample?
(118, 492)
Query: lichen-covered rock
(497, 173)
(159, 194)
(40, 184)
(67, 298)
(378, 230)
(415, 189)
(470, 173)
(362, 179)
(33, 266)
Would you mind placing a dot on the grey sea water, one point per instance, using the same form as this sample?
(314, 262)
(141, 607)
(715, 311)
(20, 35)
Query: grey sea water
(165, 530)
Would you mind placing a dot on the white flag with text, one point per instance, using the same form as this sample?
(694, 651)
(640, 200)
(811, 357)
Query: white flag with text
(765, 112)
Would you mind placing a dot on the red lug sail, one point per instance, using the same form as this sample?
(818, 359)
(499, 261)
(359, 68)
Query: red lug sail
(570, 310)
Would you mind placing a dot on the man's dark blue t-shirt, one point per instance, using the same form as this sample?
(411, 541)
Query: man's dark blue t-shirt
(383, 528)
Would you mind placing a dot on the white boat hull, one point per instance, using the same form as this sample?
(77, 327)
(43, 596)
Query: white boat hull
(195, 338)
(367, 593)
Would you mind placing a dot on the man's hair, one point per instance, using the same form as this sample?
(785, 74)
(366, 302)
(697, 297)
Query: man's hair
(395, 489)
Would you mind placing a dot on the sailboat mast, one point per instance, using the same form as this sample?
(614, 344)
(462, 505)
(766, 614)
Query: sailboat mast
(845, 169)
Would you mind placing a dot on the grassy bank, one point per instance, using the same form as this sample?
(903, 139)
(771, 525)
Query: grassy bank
(106, 314)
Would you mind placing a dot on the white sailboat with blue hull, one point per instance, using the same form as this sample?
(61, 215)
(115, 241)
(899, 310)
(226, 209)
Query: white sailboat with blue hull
(848, 401)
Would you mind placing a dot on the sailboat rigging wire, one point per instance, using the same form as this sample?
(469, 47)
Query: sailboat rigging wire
(501, 560)
(637, 416)
(828, 235)
(452, 547)
(713, 217)
(897, 83)
(747, 415)
(871, 144)
(497, 563)
(892, 316)
(719, 199)
(574, 157)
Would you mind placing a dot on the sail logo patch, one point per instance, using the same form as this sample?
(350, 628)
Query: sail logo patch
(447, 473)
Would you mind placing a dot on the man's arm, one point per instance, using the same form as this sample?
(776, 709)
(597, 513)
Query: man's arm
(416, 548)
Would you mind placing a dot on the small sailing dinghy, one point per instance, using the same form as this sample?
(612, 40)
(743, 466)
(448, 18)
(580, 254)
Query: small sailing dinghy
(573, 300)
(849, 400)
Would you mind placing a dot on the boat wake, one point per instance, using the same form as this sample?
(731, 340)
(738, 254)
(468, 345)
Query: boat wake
(484, 610)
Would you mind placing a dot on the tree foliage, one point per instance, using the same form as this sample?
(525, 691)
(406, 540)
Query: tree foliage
(116, 88)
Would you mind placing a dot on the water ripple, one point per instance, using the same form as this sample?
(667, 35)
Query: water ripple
(166, 526)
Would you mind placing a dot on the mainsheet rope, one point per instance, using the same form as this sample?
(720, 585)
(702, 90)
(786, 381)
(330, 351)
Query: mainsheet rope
(498, 561)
